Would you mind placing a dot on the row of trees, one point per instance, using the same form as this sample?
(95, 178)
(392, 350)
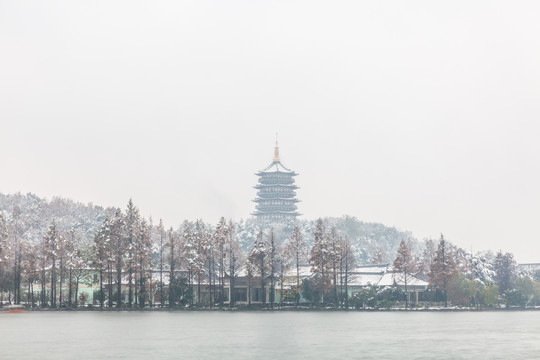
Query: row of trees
(135, 263)
(453, 278)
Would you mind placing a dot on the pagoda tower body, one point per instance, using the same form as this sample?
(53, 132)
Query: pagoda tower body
(276, 196)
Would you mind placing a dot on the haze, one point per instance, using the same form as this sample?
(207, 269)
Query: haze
(421, 115)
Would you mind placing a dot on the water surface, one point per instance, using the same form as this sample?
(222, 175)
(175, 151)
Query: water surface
(270, 335)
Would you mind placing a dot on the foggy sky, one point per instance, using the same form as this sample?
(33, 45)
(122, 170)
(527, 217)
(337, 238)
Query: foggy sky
(422, 115)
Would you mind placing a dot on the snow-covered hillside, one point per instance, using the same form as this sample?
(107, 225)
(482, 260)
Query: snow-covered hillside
(35, 214)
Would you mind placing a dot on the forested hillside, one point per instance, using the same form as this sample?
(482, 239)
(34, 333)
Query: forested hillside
(46, 242)
(35, 214)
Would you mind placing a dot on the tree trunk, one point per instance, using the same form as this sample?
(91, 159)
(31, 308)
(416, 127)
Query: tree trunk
(101, 294)
(110, 287)
(406, 293)
(297, 292)
(119, 286)
(77, 291)
(70, 287)
(53, 283)
(130, 287)
(61, 279)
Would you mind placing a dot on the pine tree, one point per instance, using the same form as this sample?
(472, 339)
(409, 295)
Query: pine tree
(505, 271)
(404, 264)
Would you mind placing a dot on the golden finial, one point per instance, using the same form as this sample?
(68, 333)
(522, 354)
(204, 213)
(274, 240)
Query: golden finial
(276, 151)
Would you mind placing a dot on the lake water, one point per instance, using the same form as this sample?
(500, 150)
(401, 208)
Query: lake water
(270, 335)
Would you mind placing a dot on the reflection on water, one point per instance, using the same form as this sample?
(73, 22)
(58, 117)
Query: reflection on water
(270, 335)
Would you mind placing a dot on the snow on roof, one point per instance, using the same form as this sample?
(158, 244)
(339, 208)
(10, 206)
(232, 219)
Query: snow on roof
(389, 279)
(364, 279)
(367, 269)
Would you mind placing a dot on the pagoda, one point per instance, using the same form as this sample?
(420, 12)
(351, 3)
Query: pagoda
(276, 196)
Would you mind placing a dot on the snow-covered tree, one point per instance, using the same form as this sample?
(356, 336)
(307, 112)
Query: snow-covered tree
(379, 256)
(143, 262)
(173, 248)
(233, 258)
(161, 251)
(132, 228)
(220, 238)
(348, 261)
(296, 251)
(102, 258)
(428, 254)
(51, 254)
(257, 262)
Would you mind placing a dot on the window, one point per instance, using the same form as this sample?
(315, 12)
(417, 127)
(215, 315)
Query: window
(240, 294)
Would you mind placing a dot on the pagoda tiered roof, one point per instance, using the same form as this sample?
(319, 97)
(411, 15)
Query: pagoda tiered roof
(276, 197)
(276, 166)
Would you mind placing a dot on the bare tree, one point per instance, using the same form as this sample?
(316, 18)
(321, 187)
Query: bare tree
(404, 263)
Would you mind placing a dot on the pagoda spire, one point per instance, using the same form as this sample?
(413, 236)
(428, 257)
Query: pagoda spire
(276, 151)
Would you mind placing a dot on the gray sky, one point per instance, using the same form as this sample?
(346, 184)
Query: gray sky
(422, 115)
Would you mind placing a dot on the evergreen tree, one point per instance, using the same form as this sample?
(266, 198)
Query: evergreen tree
(505, 272)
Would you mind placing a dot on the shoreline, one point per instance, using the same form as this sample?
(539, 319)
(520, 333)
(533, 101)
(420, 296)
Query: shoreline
(292, 309)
